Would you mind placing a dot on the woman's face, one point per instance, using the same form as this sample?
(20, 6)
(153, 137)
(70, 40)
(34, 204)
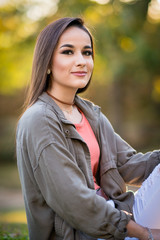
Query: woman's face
(72, 63)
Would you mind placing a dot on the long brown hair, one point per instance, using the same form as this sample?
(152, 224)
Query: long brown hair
(44, 50)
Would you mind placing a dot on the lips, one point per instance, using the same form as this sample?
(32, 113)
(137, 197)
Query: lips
(79, 73)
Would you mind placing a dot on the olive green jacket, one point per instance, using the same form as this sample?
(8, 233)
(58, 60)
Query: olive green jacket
(56, 177)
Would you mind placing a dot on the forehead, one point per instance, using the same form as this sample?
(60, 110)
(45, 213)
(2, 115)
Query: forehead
(74, 35)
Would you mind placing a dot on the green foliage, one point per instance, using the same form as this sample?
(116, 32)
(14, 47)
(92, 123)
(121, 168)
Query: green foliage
(127, 72)
(13, 231)
(7, 139)
(11, 182)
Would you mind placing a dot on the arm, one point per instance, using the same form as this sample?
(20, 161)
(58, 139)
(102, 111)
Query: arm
(142, 233)
(65, 190)
(133, 167)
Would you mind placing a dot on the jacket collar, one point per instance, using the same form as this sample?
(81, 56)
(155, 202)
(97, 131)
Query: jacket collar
(91, 111)
(44, 97)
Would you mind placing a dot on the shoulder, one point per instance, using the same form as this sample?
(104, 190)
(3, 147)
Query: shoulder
(105, 121)
(96, 110)
(84, 101)
(33, 114)
(94, 114)
(37, 118)
(88, 107)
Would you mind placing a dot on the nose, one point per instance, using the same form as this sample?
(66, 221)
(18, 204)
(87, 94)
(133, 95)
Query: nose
(80, 60)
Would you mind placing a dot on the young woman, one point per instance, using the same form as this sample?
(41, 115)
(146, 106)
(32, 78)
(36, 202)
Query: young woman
(73, 166)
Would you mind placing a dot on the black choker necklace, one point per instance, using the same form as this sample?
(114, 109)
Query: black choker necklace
(71, 104)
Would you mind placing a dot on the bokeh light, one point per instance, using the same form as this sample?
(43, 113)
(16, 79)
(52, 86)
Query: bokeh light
(154, 11)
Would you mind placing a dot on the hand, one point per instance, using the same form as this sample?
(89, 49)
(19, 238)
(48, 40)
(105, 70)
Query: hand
(142, 233)
(155, 234)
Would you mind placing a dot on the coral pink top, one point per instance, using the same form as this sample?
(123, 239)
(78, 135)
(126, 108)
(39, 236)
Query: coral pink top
(86, 132)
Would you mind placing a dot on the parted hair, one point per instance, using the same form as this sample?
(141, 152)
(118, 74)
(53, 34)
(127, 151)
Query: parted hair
(46, 43)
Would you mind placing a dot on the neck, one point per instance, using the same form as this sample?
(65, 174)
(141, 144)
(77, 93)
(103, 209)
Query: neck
(59, 100)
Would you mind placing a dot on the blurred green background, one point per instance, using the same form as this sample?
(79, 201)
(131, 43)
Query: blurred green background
(126, 79)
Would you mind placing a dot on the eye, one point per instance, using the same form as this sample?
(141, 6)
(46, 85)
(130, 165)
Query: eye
(88, 53)
(67, 52)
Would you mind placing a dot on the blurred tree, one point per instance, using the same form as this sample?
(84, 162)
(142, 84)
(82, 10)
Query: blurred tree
(126, 80)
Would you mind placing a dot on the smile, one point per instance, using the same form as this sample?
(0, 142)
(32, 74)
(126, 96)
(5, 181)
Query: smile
(79, 74)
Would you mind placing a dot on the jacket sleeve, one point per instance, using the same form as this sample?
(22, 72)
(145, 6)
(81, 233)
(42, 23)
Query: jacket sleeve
(64, 188)
(133, 167)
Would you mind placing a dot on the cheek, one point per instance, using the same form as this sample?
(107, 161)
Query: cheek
(59, 66)
(91, 65)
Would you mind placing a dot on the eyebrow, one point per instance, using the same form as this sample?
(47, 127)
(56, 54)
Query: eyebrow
(71, 46)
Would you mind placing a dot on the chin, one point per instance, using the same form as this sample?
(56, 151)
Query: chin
(82, 84)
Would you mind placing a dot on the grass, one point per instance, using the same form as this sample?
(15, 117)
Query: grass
(12, 231)
(13, 224)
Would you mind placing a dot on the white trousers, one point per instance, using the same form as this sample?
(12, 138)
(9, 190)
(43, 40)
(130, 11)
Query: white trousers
(146, 208)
